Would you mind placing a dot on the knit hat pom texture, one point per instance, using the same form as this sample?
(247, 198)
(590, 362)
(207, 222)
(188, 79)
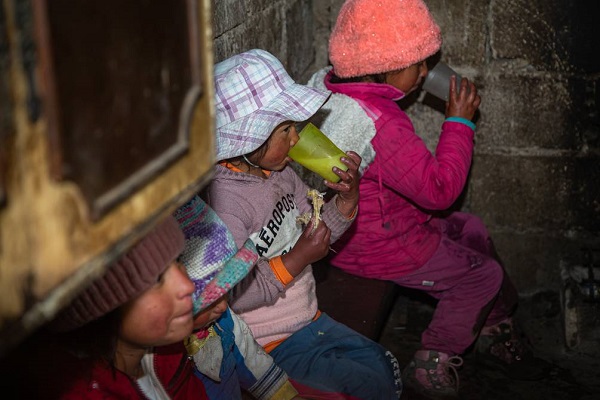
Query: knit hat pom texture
(377, 36)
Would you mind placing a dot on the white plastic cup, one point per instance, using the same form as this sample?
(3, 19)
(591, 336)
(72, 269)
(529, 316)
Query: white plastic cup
(437, 81)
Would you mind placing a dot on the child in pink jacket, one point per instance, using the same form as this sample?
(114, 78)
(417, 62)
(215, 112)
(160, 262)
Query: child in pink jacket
(378, 51)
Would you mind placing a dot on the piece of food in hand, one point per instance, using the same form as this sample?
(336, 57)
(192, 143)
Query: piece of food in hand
(317, 202)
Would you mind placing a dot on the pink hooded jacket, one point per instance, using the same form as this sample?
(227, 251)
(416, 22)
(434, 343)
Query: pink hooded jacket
(394, 232)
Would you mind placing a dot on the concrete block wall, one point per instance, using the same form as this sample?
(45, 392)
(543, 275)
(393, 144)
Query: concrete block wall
(535, 179)
(536, 165)
(286, 28)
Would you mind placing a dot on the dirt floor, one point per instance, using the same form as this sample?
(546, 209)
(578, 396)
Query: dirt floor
(574, 374)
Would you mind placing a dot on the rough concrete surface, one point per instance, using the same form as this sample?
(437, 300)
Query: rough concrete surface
(574, 375)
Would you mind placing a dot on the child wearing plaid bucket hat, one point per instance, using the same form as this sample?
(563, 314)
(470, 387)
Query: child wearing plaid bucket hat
(257, 197)
(226, 356)
(378, 50)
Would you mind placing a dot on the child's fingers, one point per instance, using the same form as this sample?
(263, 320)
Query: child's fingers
(347, 179)
(345, 176)
(452, 94)
(320, 232)
(464, 88)
(328, 236)
(352, 167)
(341, 186)
(354, 157)
(308, 230)
(472, 92)
(324, 235)
(352, 161)
(348, 175)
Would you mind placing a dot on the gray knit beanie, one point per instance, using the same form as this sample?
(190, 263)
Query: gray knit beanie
(129, 277)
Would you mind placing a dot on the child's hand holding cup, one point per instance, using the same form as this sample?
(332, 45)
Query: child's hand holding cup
(437, 81)
(318, 153)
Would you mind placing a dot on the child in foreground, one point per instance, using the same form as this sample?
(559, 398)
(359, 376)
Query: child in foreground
(225, 354)
(257, 105)
(125, 331)
(379, 50)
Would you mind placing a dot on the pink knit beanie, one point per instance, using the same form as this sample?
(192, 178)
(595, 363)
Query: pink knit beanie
(376, 36)
(125, 280)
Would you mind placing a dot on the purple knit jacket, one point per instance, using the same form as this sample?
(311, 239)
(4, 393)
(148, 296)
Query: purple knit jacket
(265, 210)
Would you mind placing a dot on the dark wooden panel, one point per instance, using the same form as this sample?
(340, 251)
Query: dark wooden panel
(121, 80)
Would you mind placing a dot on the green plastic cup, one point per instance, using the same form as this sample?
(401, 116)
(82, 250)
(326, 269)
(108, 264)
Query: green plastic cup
(317, 153)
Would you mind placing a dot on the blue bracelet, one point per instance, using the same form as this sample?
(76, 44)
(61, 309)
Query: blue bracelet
(462, 121)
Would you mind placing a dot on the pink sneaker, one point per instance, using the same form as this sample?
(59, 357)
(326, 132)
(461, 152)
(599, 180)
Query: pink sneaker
(504, 347)
(433, 374)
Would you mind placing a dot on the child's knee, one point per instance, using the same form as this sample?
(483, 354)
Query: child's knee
(386, 375)
(373, 385)
(494, 274)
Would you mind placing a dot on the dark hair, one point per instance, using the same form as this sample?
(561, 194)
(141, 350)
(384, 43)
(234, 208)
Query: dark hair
(96, 340)
(260, 152)
(375, 78)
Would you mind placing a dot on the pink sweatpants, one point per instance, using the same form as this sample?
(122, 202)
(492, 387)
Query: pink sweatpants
(471, 286)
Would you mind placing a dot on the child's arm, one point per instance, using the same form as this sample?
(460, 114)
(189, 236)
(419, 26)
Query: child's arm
(257, 371)
(263, 285)
(405, 164)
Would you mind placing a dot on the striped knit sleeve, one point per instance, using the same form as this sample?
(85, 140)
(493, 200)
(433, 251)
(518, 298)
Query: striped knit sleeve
(258, 372)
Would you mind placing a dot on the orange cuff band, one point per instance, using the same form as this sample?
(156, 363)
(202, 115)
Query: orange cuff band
(280, 271)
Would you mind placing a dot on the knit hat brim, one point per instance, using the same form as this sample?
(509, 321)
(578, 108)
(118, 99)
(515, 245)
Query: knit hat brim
(244, 135)
(211, 257)
(134, 273)
(233, 272)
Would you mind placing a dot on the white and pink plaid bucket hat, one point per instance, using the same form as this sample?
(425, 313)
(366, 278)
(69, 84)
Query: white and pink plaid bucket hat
(254, 94)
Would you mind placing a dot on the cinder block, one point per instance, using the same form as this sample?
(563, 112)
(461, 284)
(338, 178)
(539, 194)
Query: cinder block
(585, 118)
(580, 33)
(258, 6)
(533, 30)
(323, 15)
(532, 260)
(227, 14)
(300, 29)
(526, 110)
(335, 10)
(535, 193)
(228, 44)
(464, 31)
(262, 31)
(584, 197)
